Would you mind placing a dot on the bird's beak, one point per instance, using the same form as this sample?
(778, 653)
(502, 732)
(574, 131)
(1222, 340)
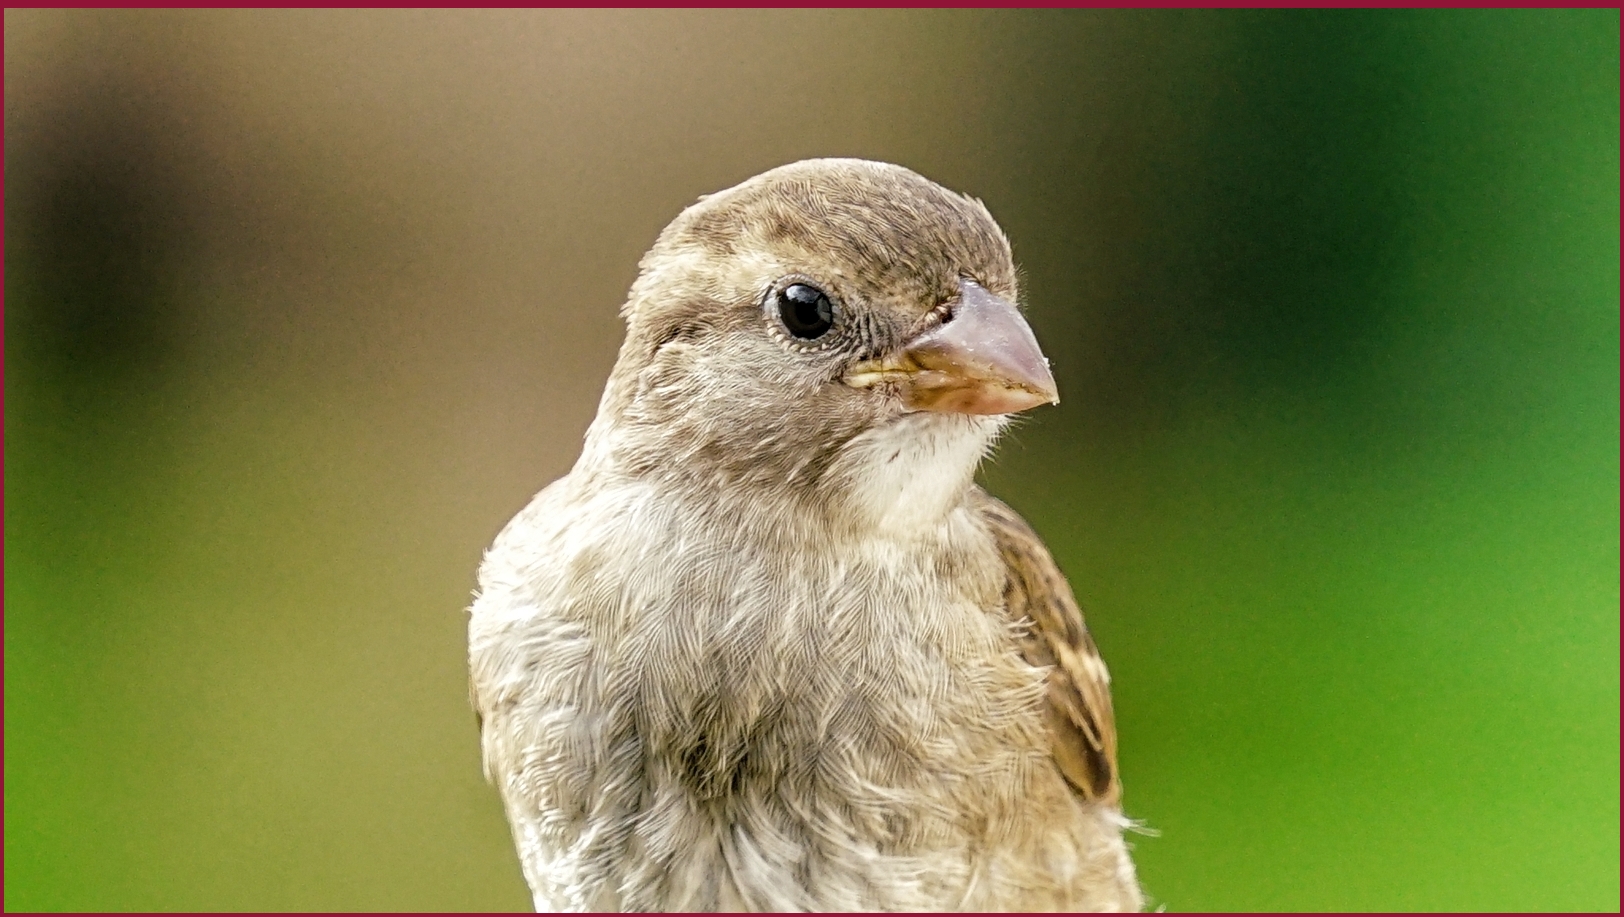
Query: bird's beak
(980, 359)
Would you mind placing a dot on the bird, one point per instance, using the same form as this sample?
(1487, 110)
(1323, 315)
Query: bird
(767, 645)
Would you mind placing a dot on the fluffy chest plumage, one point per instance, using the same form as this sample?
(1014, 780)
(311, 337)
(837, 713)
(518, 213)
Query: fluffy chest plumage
(690, 712)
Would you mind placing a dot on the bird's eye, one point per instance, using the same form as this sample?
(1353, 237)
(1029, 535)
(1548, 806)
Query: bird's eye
(805, 311)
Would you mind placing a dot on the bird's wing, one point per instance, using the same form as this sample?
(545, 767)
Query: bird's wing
(1079, 696)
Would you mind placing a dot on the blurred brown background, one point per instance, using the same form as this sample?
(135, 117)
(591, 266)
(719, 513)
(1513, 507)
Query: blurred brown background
(302, 306)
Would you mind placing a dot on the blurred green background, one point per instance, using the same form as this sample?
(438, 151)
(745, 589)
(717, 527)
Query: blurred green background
(301, 307)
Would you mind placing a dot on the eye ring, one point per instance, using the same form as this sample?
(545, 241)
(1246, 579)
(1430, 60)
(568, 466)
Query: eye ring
(804, 310)
(803, 315)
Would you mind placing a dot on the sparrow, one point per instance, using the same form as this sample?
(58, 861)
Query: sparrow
(767, 646)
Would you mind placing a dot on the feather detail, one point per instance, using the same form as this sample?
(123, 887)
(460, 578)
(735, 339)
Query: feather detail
(1078, 701)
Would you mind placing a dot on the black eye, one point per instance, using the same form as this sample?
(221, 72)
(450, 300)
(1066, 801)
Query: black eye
(805, 311)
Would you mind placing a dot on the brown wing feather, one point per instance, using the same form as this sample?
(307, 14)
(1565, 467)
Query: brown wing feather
(1079, 698)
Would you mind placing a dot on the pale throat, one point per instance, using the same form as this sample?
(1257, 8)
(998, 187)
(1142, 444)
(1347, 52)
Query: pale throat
(907, 475)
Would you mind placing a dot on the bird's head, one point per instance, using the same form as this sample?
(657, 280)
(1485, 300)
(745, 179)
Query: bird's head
(831, 328)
